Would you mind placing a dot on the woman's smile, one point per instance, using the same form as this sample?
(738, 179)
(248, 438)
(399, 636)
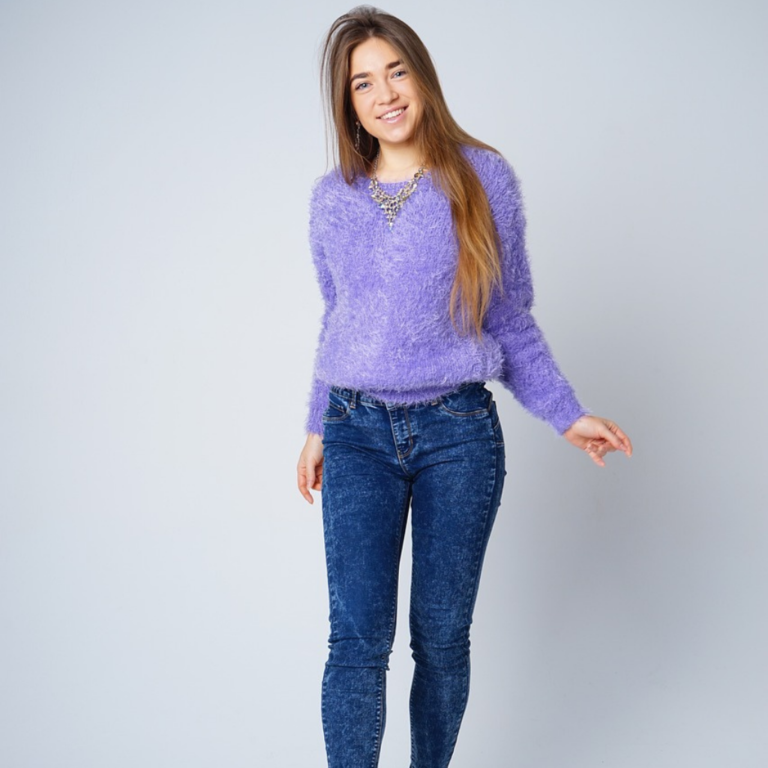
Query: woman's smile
(393, 116)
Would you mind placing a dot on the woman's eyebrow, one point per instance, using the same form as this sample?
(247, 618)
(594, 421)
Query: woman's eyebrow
(362, 75)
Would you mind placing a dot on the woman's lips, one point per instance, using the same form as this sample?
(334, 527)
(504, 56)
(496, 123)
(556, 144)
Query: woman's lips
(394, 119)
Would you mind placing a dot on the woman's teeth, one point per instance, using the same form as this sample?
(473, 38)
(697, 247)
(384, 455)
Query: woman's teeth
(393, 114)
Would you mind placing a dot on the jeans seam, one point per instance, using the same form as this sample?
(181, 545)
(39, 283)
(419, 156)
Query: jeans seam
(476, 563)
(379, 718)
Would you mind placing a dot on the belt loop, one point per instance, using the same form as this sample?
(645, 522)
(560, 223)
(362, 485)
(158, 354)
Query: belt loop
(353, 399)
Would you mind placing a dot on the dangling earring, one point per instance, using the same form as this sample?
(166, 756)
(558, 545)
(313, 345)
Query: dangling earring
(357, 137)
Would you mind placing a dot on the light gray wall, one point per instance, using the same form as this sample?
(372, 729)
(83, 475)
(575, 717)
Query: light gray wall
(162, 587)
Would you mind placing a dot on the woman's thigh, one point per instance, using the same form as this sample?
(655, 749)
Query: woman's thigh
(365, 501)
(456, 495)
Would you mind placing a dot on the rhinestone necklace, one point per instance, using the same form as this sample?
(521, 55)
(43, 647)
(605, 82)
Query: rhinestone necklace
(391, 204)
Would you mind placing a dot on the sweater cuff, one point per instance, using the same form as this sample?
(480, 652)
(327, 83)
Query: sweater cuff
(566, 414)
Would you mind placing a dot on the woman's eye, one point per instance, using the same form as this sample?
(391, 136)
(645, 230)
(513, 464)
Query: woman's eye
(359, 86)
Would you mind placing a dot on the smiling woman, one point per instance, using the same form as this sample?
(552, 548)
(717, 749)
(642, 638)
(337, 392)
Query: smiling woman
(399, 416)
(386, 103)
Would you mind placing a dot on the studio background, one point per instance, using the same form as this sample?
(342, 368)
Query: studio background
(163, 599)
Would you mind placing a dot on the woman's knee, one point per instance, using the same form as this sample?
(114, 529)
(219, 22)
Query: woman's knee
(359, 652)
(441, 649)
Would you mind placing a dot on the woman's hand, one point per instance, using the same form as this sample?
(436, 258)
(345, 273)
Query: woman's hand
(597, 436)
(310, 468)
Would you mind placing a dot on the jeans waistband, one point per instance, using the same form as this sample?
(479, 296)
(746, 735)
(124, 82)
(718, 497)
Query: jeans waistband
(355, 396)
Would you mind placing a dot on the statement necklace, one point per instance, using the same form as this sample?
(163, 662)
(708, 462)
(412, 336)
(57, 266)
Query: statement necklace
(391, 204)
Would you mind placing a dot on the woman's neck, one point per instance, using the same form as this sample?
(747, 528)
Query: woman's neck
(397, 163)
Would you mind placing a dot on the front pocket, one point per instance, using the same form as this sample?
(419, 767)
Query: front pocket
(337, 408)
(477, 412)
(473, 400)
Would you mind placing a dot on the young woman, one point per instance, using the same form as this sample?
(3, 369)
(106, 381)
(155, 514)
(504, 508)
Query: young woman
(417, 220)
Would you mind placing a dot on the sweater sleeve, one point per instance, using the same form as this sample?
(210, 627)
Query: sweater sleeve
(529, 369)
(318, 394)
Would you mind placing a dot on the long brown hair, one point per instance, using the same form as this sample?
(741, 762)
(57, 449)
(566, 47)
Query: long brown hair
(437, 138)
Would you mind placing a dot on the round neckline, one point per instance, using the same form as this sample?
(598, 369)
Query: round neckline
(400, 182)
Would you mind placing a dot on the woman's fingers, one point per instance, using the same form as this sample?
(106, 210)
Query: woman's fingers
(624, 439)
(317, 484)
(607, 433)
(302, 483)
(310, 481)
(598, 447)
(595, 453)
(598, 436)
(616, 437)
(310, 467)
(307, 478)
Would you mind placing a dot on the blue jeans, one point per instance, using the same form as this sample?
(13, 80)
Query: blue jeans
(444, 460)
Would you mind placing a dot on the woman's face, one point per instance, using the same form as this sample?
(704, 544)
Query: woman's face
(381, 85)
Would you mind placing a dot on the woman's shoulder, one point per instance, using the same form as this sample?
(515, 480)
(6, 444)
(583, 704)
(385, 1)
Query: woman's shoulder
(332, 201)
(488, 162)
(499, 180)
(330, 185)
(326, 181)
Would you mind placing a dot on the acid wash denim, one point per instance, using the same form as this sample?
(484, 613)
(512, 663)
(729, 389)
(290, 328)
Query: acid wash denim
(444, 460)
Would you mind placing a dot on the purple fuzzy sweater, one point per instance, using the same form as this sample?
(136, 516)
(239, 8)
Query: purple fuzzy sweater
(386, 328)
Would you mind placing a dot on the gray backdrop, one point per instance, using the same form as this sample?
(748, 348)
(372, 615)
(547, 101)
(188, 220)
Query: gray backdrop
(162, 586)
